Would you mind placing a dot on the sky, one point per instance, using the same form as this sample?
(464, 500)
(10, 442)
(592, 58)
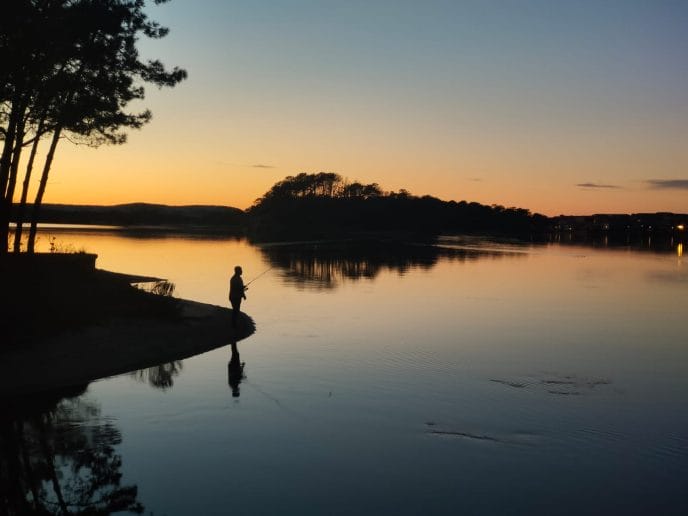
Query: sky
(559, 107)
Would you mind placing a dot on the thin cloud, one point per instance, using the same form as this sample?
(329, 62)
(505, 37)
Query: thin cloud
(668, 184)
(231, 164)
(476, 179)
(596, 185)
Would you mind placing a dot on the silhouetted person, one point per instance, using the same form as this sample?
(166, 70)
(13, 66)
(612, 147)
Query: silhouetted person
(235, 371)
(237, 292)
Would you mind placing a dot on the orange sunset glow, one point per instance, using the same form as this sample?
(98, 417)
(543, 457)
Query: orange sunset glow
(564, 109)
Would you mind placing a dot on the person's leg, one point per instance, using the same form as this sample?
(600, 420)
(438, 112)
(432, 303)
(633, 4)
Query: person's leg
(236, 305)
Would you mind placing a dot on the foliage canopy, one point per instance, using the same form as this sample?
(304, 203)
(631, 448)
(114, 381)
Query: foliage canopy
(70, 68)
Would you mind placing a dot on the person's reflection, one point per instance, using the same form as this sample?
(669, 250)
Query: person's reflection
(235, 371)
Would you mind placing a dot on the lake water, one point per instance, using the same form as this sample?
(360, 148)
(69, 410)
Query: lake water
(480, 378)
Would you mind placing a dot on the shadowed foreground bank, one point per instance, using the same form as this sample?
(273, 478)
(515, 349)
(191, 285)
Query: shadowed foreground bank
(71, 324)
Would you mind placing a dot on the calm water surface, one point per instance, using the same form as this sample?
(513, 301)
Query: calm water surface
(481, 379)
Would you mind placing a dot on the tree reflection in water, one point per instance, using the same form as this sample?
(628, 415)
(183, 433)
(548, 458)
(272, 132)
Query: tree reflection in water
(57, 456)
(327, 265)
(160, 376)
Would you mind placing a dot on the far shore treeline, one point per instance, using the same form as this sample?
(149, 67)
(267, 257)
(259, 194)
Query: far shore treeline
(326, 206)
(315, 206)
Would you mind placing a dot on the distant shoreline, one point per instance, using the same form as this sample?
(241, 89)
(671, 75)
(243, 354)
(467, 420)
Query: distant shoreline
(332, 221)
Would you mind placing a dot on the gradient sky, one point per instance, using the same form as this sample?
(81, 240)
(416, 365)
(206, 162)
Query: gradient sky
(559, 107)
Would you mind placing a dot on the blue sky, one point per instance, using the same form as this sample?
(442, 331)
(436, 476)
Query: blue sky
(509, 102)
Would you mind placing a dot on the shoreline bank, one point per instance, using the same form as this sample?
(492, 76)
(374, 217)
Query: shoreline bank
(117, 346)
(68, 323)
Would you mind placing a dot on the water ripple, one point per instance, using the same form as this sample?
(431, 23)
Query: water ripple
(553, 383)
(515, 438)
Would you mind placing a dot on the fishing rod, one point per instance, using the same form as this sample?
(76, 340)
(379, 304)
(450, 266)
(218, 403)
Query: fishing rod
(259, 275)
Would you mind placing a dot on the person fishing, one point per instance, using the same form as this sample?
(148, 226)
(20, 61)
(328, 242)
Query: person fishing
(237, 292)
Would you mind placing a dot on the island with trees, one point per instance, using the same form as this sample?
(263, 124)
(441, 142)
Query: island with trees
(324, 205)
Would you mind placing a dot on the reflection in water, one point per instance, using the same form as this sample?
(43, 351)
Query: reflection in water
(235, 371)
(326, 265)
(388, 376)
(660, 244)
(160, 376)
(57, 456)
(679, 250)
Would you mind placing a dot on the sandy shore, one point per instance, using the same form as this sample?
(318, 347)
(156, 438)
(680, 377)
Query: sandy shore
(117, 346)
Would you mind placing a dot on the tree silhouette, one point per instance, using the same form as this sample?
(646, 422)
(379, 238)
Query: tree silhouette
(70, 68)
(60, 458)
(324, 205)
(160, 376)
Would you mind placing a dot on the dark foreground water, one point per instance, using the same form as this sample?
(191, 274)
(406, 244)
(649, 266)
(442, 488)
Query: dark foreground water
(481, 378)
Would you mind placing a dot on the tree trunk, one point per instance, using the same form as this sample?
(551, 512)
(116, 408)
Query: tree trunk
(49, 458)
(12, 493)
(6, 158)
(25, 188)
(28, 468)
(5, 166)
(12, 183)
(41, 189)
(14, 165)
